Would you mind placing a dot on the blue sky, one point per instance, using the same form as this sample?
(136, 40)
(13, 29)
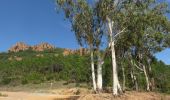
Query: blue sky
(36, 21)
(33, 22)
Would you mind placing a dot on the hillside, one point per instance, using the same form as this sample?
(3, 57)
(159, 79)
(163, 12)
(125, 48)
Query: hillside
(37, 66)
(72, 66)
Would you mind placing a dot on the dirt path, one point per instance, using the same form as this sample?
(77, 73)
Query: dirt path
(69, 94)
(36, 96)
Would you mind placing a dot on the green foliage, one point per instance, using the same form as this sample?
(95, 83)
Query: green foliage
(73, 68)
(36, 69)
(107, 73)
(162, 76)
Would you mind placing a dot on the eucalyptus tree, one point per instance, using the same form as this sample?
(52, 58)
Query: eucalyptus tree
(111, 12)
(148, 28)
(108, 14)
(136, 29)
(87, 30)
(144, 24)
(83, 27)
(98, 34)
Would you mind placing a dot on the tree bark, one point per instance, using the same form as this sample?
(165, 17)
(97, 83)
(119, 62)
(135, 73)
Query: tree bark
(99, 73)
(145, 73)
(134, 79)
(136, 83)
(92, 68)
(152, 81)
(124, 78)
(116, 84)
(146, 78)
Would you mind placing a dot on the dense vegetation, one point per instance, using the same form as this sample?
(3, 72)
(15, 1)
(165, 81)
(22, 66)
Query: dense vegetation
(132, 31)
(53, 66)
(35, 69)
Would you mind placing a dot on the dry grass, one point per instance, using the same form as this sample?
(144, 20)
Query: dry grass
(59, 91)
(3, 95)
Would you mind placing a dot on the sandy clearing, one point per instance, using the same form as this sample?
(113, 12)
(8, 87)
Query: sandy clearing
(67, 95)
(35, 96)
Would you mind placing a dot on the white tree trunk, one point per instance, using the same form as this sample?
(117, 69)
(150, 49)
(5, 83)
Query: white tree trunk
(136, 83)
(134, 79)
(152, 83)
(92, 69)
(116, 85)
(147, 79)
(99, 74)
(145, 73)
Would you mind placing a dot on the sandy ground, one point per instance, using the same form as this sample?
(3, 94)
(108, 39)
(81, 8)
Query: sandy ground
(80, 94)
(36, 96)
(60, 91)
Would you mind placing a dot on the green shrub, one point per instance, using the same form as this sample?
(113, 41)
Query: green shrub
(74, 68)
(6, 80)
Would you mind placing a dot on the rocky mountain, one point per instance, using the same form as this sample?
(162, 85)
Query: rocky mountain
(42, 47)
(20, 46)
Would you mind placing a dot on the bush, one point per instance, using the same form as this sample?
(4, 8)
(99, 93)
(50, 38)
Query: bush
(33, 69)
(72, 68)
(6, 80)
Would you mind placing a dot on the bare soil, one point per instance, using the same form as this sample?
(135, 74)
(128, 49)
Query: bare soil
(80, 94)
(58, 91)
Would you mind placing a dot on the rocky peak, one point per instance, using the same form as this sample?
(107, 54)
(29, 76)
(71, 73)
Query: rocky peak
(42, 47)
(20, 46)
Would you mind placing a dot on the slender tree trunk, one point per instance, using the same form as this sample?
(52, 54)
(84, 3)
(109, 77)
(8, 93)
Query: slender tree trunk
(99, 73)
(146, 78)
(124, 78)
(134, 79)
(116, 84)
(145, 73)
(152, 81)
(152, 84)
(136, 83)
(132, 76)
(92, 68)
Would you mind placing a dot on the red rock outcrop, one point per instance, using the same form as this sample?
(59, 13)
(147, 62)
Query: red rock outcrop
(20, 46)
(42, 47)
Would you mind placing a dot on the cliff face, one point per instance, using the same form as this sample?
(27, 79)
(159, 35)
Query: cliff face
(42, 47)
(20, 46)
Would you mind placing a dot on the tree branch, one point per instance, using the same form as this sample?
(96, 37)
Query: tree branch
(136, 66)
(119, 33)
